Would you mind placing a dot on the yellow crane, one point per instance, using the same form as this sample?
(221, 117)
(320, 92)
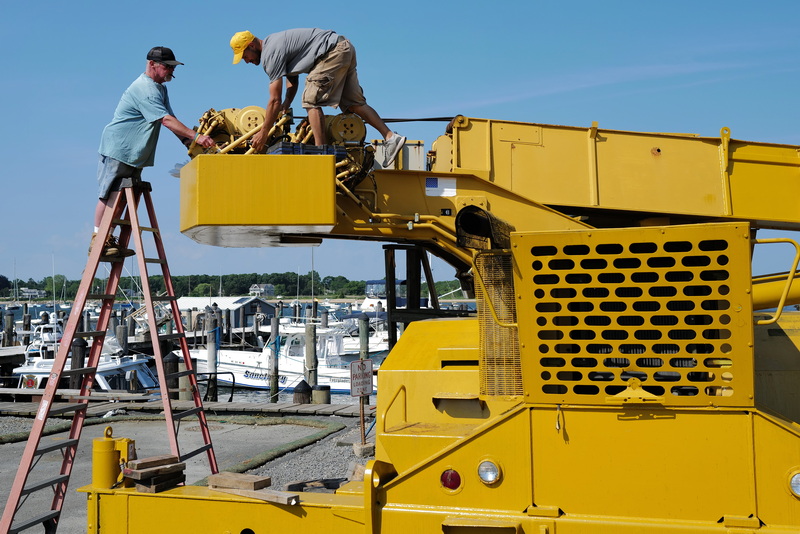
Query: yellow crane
(621, 374)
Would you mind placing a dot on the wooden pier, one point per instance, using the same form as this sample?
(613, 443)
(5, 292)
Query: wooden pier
(103, 402)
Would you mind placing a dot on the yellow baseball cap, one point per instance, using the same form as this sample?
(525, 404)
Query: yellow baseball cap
(239, 42)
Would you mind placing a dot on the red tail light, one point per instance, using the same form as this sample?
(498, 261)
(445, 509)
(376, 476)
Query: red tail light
(451, 479)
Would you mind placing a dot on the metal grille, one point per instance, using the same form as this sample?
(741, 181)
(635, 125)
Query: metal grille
(500, 372)
(603, 307)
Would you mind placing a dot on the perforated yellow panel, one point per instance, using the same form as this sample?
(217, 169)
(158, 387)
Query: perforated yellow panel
(668, 306)
(500, 369)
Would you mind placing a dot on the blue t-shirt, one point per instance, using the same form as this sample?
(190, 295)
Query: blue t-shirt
(132, 134)
(293, 52)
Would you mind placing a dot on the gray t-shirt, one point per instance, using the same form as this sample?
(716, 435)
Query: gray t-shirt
(293, 52)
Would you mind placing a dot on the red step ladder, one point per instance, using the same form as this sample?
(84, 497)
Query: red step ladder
(121, 211)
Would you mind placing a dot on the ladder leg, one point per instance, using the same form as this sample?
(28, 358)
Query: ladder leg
(121, 210)
(161, 259)
(59, 483)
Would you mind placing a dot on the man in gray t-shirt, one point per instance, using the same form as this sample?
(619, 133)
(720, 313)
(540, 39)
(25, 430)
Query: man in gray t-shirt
(330, 62)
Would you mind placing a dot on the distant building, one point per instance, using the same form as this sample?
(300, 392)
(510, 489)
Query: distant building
(27, 293)
(262, 290)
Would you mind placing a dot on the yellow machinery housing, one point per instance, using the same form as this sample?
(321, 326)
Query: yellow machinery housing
(619, 376)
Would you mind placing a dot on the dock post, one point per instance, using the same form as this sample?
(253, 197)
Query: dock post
(8, 330)
(302, 393)
(320, 394)
(26, 325)
(87, 322)
(311, 354)
(242, 324)
(363, 354)
(171, 367)
(131, 322)
(323, 318)
(122, 337)
(184, 386)
(211, 347)
(274, 372)
(78, 361)
(363, 336)
(256, 324)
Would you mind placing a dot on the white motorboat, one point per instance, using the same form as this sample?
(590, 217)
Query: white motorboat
(114, 371)
(45, 339)
(251, 369)
(127, 373)
(378, 337)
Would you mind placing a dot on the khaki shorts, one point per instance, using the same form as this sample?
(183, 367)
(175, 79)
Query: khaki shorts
(333, 81)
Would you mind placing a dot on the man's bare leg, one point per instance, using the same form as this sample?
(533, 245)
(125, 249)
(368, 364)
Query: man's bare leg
(317, 121)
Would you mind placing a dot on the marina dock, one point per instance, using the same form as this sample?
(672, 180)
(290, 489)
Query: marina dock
(28, 409)
(102, 403)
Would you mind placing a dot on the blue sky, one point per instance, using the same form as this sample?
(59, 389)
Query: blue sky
(679, 66)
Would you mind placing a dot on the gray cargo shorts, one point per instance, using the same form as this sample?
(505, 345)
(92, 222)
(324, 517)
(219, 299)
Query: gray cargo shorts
(110, 173)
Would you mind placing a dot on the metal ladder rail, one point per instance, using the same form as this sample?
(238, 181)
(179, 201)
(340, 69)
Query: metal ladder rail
(136, 231)
(33, 452)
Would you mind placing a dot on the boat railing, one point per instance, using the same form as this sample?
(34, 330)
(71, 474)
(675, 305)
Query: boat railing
(205, 378)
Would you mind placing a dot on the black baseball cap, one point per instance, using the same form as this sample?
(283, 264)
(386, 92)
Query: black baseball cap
(162, 54)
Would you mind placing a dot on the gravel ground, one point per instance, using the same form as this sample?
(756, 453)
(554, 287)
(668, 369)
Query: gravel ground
(329, 458)
(14, 425)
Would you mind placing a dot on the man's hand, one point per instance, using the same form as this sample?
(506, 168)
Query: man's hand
(205, 141)
(259, 140)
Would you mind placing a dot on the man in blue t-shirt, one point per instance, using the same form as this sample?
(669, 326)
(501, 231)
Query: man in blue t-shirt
(329, 60)
(129, 141)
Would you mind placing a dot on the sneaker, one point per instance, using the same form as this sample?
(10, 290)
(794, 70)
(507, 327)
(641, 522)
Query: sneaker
(391, 148)
(112, 248)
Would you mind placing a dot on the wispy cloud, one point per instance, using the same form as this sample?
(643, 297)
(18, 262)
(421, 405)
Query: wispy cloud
(638, 78)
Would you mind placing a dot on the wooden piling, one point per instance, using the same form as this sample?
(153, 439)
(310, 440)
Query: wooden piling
(311, 354)
(274, 372)
(78, 360)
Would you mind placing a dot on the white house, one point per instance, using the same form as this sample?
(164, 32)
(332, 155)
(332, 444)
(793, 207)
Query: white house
(262, 290)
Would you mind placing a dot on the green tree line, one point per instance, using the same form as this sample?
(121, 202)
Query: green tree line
(287, 285)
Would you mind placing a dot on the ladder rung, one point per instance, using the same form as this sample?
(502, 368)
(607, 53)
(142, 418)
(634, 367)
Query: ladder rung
(195, 452)
(126, 222)
(44, 484)
(187, 413)
(165, 298)
(154, 260)
(56, 446)
(180, 374)
(148, 229)
(112, 259)
(52, 514)
(68, 408)
(100, 296)
(79, 371)
(93, 333)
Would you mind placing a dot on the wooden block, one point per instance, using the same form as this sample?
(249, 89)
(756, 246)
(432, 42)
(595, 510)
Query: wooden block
(163, 485)
(160, 479)
(143, 474)
(152, 461)
(279, 497)
(238, 481)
